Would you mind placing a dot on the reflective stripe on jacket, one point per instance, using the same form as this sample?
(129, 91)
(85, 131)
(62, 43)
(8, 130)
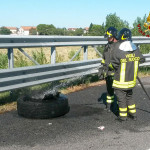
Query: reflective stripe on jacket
(125, 60)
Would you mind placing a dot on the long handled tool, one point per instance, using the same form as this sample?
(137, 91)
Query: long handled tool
(143, 87)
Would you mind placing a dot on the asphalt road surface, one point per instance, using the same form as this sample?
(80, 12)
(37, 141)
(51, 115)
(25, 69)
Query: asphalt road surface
(86, 127)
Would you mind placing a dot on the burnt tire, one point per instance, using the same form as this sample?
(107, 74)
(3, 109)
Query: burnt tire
(43, 109)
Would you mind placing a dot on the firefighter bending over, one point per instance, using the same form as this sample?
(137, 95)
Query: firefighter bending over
(125, 60)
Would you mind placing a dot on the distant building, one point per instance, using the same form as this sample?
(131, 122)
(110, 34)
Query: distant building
(13, 30)
(25, 30)
(72, 29)
(86, 30)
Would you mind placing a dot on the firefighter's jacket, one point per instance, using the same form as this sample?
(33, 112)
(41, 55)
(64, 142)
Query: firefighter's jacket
(125, 60)
(106, 59)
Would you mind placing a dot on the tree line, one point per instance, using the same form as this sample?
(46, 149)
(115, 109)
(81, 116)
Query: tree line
(94, 29)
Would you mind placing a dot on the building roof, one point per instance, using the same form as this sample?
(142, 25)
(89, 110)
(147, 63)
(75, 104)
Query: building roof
(27, 27)
(72, 29)
(86, 28)
(11, 28)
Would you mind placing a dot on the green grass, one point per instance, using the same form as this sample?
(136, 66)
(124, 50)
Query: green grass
(39, 56)
(72, 53)
(3, 61)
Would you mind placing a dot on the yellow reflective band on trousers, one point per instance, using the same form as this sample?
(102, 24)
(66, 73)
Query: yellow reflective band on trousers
(110, 99)
(123, 109)
(122, 83)
(131, 106)
(103, 61)
(123, 114)
(132, 111)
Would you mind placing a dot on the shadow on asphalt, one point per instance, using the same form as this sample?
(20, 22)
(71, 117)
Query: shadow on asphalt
(80, 110)
(114, 107)
(143, 110)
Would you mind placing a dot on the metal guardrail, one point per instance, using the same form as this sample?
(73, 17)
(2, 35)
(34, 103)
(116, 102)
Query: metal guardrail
(147, 60)
(10, 42)
(14, 78)
(7, 41)
(28, 76)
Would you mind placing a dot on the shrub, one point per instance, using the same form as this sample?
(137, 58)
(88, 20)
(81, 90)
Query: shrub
(39, 57)
(20, 61)
(3, 61)
(72, 53)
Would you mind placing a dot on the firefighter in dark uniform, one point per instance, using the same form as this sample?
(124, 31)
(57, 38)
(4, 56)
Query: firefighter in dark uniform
(125, 60)
(111, 34)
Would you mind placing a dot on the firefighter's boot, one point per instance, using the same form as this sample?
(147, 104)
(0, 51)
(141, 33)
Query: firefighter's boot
(122, 119)
(133, 117)
(132, 112)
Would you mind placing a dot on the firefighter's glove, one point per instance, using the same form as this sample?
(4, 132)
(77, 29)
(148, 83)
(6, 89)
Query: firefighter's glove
(105, 70)
(102, 72)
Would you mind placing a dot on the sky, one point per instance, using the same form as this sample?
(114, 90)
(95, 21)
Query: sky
(69, 13)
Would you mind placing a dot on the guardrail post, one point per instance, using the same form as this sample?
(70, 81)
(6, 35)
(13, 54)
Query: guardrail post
(53, 55)
(11, 65)
(10, 58)
(85, 52)
(34, 61)
(76, 54)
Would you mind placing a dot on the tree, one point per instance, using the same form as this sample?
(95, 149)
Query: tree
(41, 28)
(44, 29)
(115, 21)
(96, 30)
(90, 27)
(78, 32)
(5, 31)
(32, 31)
(70, 33)
(51, 30)
(60, 31)
(138, 21)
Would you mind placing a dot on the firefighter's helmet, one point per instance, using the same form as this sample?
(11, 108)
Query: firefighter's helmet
(111, 32)
(124, 35)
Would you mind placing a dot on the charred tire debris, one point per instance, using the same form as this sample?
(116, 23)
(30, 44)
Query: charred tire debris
(43, 108)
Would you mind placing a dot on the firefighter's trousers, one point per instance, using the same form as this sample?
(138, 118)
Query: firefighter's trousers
(110, 90)
(125, 102)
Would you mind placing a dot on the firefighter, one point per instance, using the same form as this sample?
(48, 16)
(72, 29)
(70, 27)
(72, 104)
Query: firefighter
(111, 34)
(125, 60)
